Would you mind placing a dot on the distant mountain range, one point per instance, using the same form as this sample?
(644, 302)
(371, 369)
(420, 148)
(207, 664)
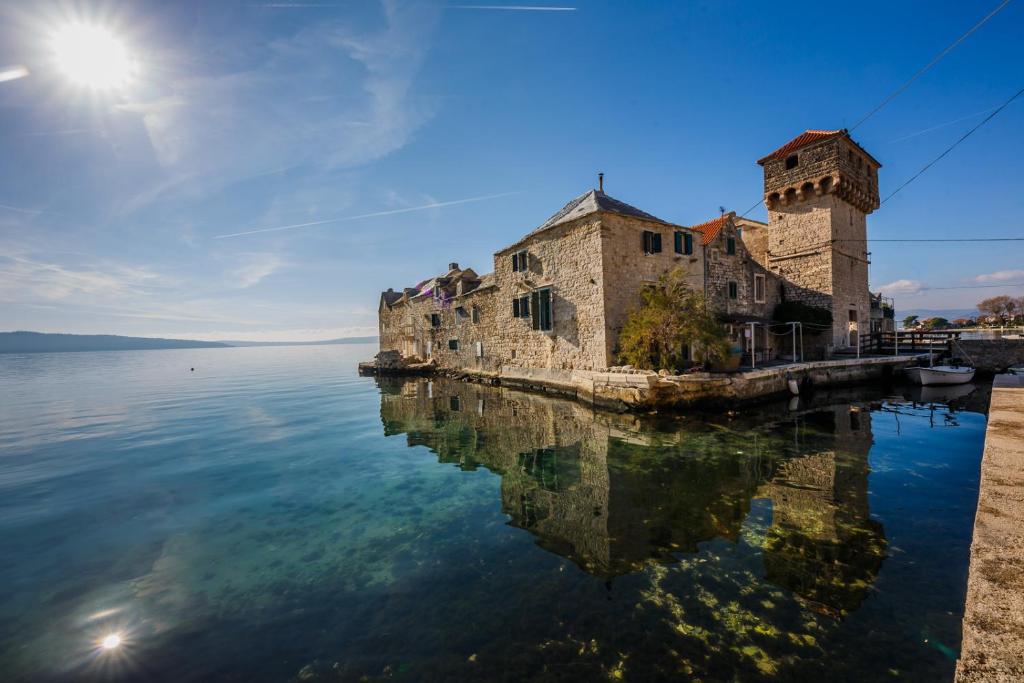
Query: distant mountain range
(947, 313)
(42, 342)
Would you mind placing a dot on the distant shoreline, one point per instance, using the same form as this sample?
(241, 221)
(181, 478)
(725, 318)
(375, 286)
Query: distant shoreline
(44, 342)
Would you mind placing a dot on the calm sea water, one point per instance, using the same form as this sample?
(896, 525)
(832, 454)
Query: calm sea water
(272, 516)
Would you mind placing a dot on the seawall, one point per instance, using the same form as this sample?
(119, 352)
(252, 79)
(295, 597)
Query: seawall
(645, 390)
(993, 641)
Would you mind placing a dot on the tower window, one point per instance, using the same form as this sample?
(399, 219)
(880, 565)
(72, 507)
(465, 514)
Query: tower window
(792, 160)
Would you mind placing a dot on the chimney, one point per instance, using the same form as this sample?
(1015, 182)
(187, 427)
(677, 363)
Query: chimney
(453, 266)
(600, 182)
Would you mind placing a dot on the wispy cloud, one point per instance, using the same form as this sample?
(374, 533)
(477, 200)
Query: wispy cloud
(21, 276)
(1001, 276)
(389, 212)
(904, 287)
(213, 129)
(256, 268)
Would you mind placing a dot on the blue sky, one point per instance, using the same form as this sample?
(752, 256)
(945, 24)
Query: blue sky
(253, 115)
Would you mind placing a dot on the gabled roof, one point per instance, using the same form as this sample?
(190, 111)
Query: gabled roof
(802, 140)
(711, 229)
(584, 205)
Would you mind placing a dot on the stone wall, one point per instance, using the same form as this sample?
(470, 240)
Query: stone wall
(566, 258)
(627, 269)
(992, 355)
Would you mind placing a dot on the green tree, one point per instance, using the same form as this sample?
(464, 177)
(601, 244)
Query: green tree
(672, 316)
(935, 324)
(909, 321)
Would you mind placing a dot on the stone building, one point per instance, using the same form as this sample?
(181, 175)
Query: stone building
(819, 189)
(558, 297)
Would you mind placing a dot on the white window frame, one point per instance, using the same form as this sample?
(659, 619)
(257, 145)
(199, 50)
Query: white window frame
(764, 288)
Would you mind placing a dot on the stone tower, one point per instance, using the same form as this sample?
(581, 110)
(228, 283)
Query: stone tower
(819, 189)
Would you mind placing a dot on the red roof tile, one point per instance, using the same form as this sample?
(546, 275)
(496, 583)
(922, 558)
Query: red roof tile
(712, 228)
(805, 138)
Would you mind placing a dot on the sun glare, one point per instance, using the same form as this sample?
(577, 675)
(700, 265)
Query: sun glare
(91, 56)
(111, 642)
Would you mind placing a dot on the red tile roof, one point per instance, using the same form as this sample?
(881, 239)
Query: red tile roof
(805, 138)
(711, 229)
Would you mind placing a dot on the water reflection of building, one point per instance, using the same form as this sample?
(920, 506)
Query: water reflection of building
(611, 493)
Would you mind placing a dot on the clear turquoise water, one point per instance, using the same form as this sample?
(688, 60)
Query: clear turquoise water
(272, 516)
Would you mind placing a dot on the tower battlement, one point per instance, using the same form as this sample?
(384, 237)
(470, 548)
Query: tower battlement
(820, 162)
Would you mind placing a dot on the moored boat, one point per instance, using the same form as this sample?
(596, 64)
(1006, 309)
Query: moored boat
(940, 374)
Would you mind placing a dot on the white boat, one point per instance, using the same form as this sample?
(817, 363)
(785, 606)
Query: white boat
(940, 374)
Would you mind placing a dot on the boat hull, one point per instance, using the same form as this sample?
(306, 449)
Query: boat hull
(942, 374)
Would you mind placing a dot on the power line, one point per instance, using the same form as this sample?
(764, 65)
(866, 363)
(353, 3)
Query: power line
(929, 65)
(951, 147)
(965, 239)
(906, 85)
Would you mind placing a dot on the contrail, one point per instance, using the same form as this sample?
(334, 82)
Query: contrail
(434, 205)
(940, 125)
(12, 73)
(31, 212)
(515, 8)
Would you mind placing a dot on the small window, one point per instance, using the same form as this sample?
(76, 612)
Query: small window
(683, 242)
(759, 289)
(453, 344)
(476, 314)
(479, 349)
(541, 302)
(461, 314)
(792, 161)
(652, 242)
(521, 307)
(734, 290)
(430, 349)
(520, 261)
(435, 320)
(730, 246)
(455, 403)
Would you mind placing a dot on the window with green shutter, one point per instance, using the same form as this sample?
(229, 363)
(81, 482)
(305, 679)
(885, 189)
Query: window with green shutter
(687, 243)
(652, 242)
(730, 246)
(733, 290)
(542, 314)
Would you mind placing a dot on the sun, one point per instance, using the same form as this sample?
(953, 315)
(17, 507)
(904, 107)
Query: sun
(91, 56)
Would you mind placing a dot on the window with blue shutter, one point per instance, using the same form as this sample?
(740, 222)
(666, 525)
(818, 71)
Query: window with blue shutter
(678, 246)
(687, 243)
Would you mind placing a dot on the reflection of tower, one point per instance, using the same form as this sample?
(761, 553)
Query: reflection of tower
(819, 189)
(822, 544)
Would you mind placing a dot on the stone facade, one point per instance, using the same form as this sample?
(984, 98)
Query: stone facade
(557, 298)
(819, 189)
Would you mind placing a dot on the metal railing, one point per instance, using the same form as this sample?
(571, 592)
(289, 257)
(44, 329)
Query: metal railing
(908, 341)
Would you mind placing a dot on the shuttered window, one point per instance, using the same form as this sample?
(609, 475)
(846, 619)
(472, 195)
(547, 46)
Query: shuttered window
(730, 246)
(520, 261)
(652, 242)
(759, 281)
(683, 242)
(542, 315)
(733, 290)
(521, 307)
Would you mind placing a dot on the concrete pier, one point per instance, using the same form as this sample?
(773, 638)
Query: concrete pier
(993, 642)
